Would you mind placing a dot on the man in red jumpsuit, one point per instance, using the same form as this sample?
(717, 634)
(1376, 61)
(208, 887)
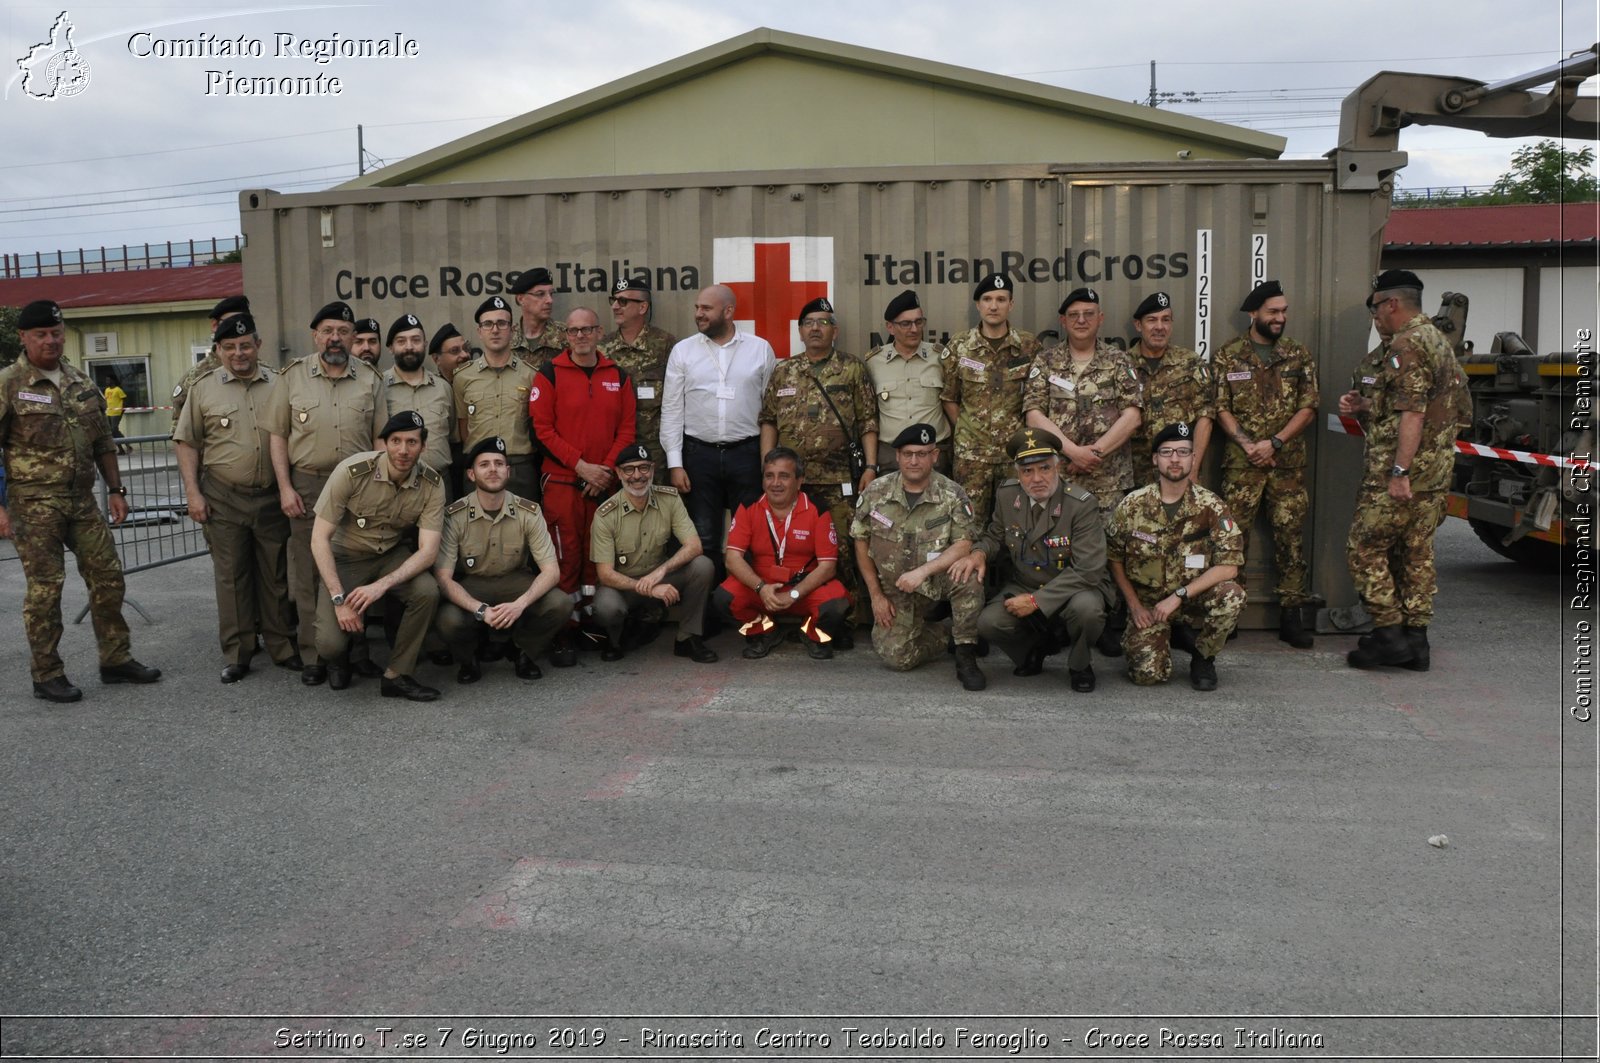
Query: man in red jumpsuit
(582, 406)
(781, 556)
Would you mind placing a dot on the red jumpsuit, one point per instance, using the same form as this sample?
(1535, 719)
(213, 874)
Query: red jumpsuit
(585, 414)
(806, 538)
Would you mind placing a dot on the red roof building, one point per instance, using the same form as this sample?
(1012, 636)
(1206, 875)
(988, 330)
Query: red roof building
(127, 289)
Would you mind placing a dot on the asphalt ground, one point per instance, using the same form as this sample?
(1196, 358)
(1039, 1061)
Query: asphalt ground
(817, 840)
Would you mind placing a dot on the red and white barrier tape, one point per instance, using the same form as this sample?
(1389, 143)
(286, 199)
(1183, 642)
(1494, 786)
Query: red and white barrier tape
(1351, 427)
(144, 409)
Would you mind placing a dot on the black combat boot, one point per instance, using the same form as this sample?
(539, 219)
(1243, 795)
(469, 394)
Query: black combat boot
(1418, 639)
(1388, 645)
(1291, 627)
(967, 669)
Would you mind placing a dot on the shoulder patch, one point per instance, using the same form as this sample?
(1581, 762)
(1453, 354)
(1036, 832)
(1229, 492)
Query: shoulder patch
(663, 489)
(457, 506)
(429, 473)
(607, 506)
(1074, 491)
(361, 469)
(523, 503)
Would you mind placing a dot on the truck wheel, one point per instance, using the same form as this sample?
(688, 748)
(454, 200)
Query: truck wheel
(1534, 553)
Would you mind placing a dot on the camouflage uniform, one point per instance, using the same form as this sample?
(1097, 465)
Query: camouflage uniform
(806, 424)
(1084, 402)
(180, 394)
(645, 360)
(1177, 388)
(53, 439)
(1262, 397)
(1390, 547)
(900, 538)
(541, 348)
(1154, 549)
(1057, 553)
(985, 379)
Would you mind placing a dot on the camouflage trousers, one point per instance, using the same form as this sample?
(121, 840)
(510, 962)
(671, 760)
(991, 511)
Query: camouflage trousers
(912, 639)
(1390, 550)
(44, 528)
(1289, 513)
(980, 479)
(831, 497)
(1214, 614)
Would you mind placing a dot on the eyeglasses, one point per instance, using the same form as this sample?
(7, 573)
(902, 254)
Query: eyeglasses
(817, 322)
(1082, 315)
(918, 323)
(1379, 305)
(582, 330)
(615, 299)
(494, 326)
(1174, 452)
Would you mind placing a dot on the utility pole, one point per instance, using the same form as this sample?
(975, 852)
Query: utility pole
(361, 146)
(1152, 82)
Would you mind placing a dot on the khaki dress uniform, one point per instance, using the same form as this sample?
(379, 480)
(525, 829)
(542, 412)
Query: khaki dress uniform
(435, 401)
(1262, 393)
(1054, 550)
(495, 556)
(494, 402)
(1177, 388)
(180, 394)
(324, 419)
(900, 537)
(635, 542)
(985, 378)
(1390, 546)
(908, 392)
(53, 437)
(645, 360)
(1161, 548)
(372, 514)
(1084, 401)
(225, 420)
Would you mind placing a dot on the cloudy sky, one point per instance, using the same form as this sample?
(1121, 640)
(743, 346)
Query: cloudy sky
(143, 152)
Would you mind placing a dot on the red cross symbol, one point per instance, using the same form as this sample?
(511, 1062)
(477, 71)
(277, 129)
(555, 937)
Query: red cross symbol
(772, 299)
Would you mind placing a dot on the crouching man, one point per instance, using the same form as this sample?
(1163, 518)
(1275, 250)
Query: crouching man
(497, 569)
(359, 545)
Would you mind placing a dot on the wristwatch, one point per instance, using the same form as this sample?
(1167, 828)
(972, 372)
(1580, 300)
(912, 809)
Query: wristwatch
(1396, 471)
(794, 594)
(1277, 444)
(873, 469)
(1182, 594)
(120, 489)
(763, 583)
(483, 608)
(337, 599)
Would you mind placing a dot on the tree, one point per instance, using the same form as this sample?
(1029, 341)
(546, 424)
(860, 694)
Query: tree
(10, 339)
(1547, 173)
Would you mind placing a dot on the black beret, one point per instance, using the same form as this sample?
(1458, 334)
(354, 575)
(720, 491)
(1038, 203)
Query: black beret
(233, 304)
(1260, 294)
(906, 300)
(1079, 295)
(491, 445)
(1177, 431)
(447, 331)
(1394, 278)
(1153, 303)
(530, 279)
(365, 325)
(633, 453)
(818, 305)
(41, 313)
(917, 435)
(335, 311)
(994, 282)
(633, 285)
(494, 302)
(1032, 444)
(404, 421)
(241, 324)
(403, 323)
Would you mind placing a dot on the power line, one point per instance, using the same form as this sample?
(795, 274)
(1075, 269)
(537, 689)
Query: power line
(240, 181)
(1287, 62)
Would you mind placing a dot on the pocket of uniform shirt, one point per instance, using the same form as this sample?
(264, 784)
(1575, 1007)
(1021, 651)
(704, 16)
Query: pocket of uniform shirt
(1018, 371)
(222, 417)
(300, 413)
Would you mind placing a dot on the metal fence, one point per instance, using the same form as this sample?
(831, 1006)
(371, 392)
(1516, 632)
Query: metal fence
(158, 530)
(113, 259)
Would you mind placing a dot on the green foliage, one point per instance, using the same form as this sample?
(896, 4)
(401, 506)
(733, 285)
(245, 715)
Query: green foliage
(1547, 173)
(10, 339)
(232, 256)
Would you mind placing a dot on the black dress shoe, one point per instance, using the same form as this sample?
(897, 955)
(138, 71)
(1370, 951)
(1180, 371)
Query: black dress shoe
(1082, 680)
(562, 653)
(442, 658)
(366, 668)
(339, 676)
(58, 690)
(1032, 664)
(695, 649)
(611, 651)
(129, 671)
(235, 672)
(314, 675)
(469, 672)
(403, 686)
(819, 651)
(293, 663)
(758, 646)
(528, 668)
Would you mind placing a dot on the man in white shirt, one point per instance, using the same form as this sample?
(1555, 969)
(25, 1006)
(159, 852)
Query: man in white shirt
(710, 416)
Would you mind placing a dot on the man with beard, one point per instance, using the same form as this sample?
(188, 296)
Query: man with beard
(491, 396)
(628, 545)
(225, 456)
(364, 343)
(1176, 385)
(710, 414)
(323, 409)
(1174, 553)
(369, 504)
(641, 348)
(1266, 397)
(450, 351)
(497, 569)
(233, 304)
(408, 385)
(537, 338)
